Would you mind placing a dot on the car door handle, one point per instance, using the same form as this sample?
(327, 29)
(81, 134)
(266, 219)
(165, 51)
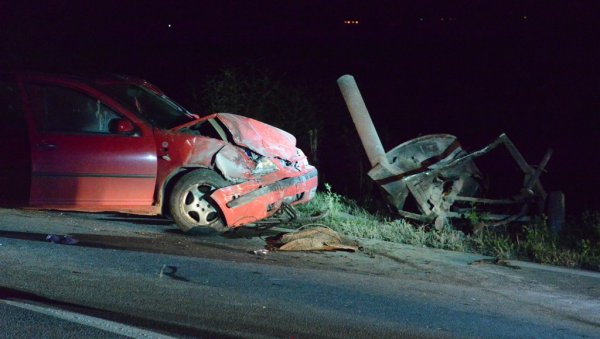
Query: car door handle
(44, 146)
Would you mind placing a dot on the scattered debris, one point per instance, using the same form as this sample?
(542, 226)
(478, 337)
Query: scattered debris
(61, 239)
(287, 214)
(260, 252)
(170, 271)
(443, 179)
(315, 239)
(167, 269)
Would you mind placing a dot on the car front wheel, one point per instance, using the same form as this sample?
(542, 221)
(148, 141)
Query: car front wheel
(190, 203)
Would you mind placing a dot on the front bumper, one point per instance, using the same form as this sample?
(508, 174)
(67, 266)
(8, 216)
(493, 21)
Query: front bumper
(253, 201)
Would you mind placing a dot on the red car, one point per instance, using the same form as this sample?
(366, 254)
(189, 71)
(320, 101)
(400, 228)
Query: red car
(120, 144)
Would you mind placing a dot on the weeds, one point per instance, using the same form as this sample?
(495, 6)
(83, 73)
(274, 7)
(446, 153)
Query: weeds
(579, 248)
(540, 245)
(489, 242)
(347, 217)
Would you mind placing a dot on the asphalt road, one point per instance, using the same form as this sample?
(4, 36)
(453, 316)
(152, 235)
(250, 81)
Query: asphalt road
(139, 277)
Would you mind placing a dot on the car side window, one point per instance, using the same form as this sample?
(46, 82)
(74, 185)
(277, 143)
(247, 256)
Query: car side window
(65, 110)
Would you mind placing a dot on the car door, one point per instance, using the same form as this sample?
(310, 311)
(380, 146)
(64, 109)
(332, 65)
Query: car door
(78, 159)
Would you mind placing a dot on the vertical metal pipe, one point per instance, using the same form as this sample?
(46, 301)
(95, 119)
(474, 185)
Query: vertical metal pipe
(362, 120)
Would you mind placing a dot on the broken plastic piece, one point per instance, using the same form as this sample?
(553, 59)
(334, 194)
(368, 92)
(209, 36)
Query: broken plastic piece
(171, 272)
(260, 252)
(167, 270)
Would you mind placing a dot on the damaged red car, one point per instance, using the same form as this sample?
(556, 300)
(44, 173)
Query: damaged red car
(118, 143)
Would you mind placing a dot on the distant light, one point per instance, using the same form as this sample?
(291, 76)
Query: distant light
(351, 22)
(524, 17)
(169, 25)
(420, 19)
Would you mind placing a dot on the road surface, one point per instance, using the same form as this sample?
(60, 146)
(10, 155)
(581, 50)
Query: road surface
(139, 277)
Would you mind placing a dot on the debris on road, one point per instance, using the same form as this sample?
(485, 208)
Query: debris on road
(315, 239)
(443, 180)
(260, 252)
(167, 270)
(170, 271)
(61, 239)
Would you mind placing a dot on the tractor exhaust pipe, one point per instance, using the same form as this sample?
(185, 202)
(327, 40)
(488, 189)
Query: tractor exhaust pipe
(362, 120)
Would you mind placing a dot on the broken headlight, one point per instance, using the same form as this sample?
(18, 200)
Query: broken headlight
(264, 166)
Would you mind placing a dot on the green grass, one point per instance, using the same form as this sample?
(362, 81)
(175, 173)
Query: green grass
(541, 245)
(346, 217)
(577, 247)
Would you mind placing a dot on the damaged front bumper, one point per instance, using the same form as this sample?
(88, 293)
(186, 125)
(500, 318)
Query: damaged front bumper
(254, 200)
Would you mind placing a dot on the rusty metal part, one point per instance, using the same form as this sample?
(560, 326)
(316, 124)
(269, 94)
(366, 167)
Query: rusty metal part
(439, 175)
(555, 208)
(438, 187)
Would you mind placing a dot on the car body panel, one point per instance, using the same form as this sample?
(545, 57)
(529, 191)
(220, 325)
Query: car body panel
(260, 137)
(268, 200)
(88, 169)
(235, 165)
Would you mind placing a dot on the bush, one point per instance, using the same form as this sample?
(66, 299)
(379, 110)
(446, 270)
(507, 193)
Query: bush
(542, 246)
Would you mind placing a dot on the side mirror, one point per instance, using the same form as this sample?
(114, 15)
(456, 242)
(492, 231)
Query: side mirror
(121, 126)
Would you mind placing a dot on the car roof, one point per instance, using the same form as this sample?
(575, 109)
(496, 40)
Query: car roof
(92, 79)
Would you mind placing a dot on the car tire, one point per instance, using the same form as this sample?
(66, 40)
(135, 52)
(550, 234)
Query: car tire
(190, 204)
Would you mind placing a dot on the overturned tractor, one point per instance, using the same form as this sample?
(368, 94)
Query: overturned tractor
(443, 179)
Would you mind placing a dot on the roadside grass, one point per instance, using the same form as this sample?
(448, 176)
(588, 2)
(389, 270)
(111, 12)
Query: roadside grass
(346, 217)
(578, 246)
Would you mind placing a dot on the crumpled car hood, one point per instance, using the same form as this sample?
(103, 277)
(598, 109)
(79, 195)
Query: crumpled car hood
(261, 138)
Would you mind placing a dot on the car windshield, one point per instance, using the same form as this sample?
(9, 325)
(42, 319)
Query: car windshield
(159, 110)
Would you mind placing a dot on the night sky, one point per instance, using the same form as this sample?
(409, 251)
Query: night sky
(470, 68)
